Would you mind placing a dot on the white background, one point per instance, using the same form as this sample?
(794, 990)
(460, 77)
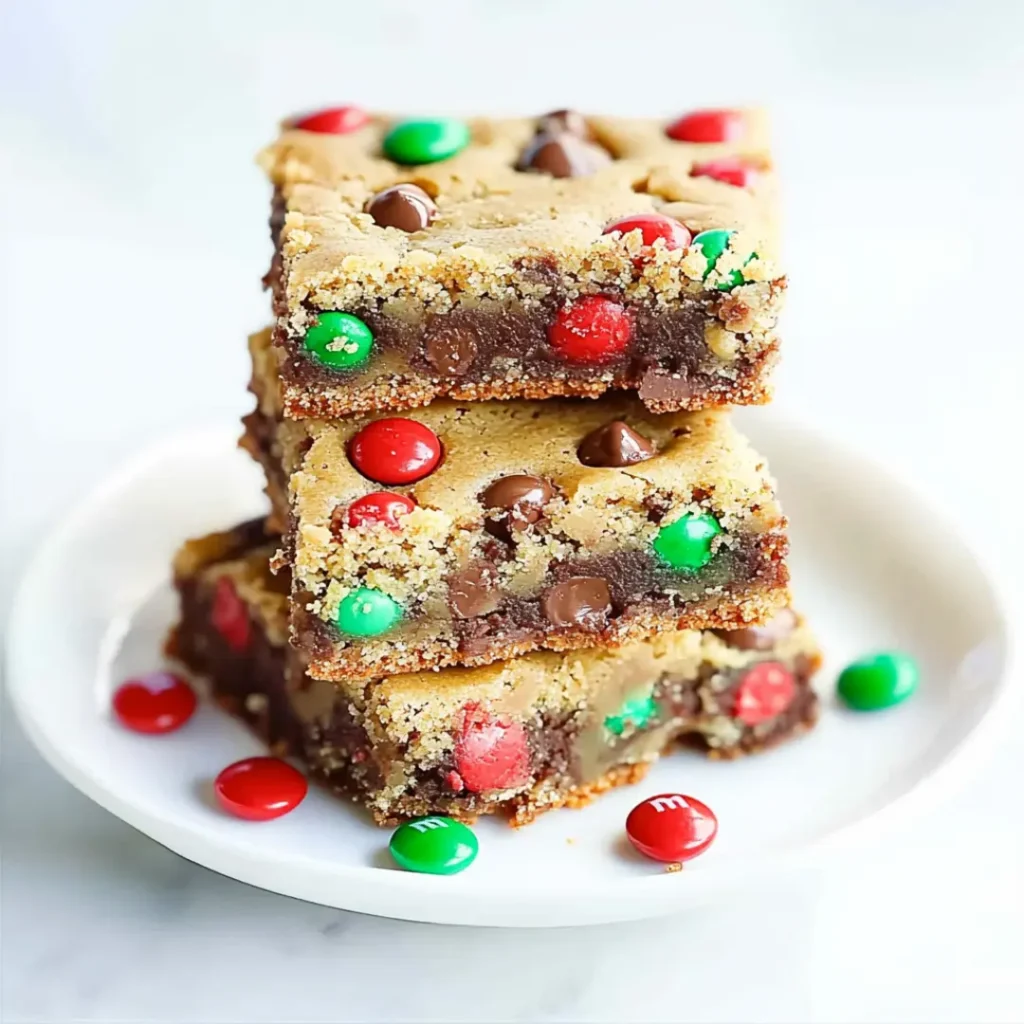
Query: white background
(133, 240)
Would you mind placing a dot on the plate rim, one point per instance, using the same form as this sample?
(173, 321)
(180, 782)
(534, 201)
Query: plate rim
(425, 898)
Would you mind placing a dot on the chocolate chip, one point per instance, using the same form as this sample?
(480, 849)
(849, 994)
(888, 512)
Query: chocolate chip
(761, 638)
(339, 521)
(521, 497)
(474, 591)
(450, 349)
(562, 156)
(571, 121)
(580, 601)
(660, 390)
(406, 207)
(614, 444)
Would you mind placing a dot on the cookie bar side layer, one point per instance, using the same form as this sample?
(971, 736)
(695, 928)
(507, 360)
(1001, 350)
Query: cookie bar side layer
(516, 738)
(557, 524)
(653, 268)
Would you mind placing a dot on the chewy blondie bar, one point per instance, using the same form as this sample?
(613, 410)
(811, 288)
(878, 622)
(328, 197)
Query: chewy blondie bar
(561, 255)
(469, 533)
(518, 737)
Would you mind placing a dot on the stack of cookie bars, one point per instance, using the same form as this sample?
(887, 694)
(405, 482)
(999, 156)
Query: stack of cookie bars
(516, 549)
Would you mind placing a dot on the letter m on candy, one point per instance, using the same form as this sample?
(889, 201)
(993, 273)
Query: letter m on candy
(666, 803)
(428, 823)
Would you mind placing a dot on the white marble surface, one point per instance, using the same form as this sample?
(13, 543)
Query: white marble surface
(133, 239)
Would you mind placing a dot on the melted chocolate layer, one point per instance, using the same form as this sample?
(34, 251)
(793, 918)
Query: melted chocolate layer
(638, 581)
(497, 350)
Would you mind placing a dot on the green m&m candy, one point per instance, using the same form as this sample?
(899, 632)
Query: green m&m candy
(713, 243)
(434, 845)
(878, 681)
(686, 542)
(367, 612)
(427, 141)
(339, 340)
(635, 712)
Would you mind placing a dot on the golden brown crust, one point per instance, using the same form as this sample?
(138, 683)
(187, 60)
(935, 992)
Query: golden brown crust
(578, 797)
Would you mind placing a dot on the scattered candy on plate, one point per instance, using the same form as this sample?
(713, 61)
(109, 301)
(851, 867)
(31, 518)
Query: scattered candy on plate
(671, 827)
(155, 703)
(434, 845)
(260, 788)
(878, 681)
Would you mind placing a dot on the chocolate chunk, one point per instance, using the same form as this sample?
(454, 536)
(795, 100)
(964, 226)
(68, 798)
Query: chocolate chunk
(406, 207)
(562, 156)
(521, 497)
(571, 121)
(614, 444)
(450, 349)
(761, 638)
(658, 388)
(580, 601)
(474, 591)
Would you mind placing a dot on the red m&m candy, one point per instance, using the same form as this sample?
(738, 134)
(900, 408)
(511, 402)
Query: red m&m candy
(591, 330)
(491, 752)
(229, 616)
(671, 827)
(730, 170)
(707, 126)
(333, 121)
(766, 690)
(260, 788)
(395, 451)
(653, 226)
(380, 507)
(157, 702)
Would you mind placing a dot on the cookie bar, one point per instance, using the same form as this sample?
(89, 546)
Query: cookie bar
(470, 533)
(519, 737)
(528, 258)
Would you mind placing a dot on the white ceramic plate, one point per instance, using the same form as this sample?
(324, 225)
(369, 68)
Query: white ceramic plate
(873, 566)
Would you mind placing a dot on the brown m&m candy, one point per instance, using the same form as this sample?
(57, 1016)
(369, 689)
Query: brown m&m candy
(562, 155)
(571, 121)
(614, 444)
(521, 497)
(450, 348)
(580, 601)
(406, 207)
(761, 638)
(474, 591)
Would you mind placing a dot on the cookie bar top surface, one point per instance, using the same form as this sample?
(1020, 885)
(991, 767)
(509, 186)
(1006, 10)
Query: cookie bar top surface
(693, 453)
(495, 147)
(500, 232)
